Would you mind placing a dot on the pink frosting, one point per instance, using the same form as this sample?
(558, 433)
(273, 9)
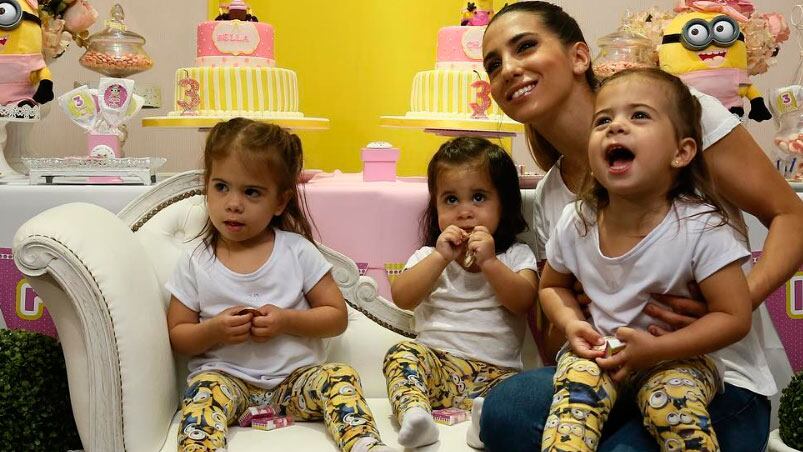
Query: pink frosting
(206, 40)
(463, 44)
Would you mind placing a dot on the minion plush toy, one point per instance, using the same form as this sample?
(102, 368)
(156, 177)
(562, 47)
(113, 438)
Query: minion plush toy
(24, 76)
(706, 49)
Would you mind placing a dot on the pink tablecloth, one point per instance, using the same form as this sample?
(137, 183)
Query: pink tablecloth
(375, 223)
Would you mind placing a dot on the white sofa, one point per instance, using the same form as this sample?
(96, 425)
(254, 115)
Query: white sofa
(102, 278)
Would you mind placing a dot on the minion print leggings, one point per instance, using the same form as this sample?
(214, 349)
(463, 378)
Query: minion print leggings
(673, 398)
(331, 392)
(419, 376)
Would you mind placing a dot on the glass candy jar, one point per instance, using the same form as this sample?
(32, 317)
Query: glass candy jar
(622, 50)
(115, 51)
(787, 105)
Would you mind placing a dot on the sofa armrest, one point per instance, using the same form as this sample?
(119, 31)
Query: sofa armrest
(103, 295)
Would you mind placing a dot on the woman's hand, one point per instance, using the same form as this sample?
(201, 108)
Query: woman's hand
(481, 244)
(583, 338)
(640, 352)
(451, 242)
(268, 325)
(682, 311)
(230, 327)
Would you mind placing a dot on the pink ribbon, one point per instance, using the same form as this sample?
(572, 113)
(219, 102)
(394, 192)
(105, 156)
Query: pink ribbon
(737, 9)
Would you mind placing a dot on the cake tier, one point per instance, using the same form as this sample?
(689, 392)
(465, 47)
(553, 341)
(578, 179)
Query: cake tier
(460, 48)
(449, 94)
(234, 43)
(229, 91)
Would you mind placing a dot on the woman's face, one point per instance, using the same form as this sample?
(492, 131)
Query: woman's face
(530, 70)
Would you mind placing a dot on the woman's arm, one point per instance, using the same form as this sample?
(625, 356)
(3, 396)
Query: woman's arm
(515, 291)
(410, 288)
(744, 176)
(326, 317)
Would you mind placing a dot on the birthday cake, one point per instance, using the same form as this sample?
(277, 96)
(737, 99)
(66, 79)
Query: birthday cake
(458, 87)
(235, 72)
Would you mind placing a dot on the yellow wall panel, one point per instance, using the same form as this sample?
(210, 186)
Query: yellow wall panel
(355, 61)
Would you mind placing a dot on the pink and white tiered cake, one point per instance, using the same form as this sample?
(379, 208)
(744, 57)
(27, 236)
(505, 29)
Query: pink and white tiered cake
(458, 87)
(235, 72)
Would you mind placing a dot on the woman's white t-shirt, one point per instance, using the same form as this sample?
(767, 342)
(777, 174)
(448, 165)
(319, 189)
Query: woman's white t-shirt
(745, 361)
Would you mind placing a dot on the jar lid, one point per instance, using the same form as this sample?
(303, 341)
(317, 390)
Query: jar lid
(624, 38)
(116, 31)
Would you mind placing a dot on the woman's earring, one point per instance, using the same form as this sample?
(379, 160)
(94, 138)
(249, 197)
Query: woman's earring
(675, 163)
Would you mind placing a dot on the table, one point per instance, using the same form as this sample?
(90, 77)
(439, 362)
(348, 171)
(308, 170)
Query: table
(20, 308)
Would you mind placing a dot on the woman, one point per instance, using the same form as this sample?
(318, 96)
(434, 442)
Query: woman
(539, 67)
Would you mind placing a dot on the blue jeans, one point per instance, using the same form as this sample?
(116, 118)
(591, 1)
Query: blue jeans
(515, 411)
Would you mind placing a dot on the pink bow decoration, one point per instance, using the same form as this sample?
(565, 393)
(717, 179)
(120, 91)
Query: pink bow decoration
(776, 24)
(739, 10)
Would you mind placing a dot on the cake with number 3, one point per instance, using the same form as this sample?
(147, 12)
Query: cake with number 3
(235, 72)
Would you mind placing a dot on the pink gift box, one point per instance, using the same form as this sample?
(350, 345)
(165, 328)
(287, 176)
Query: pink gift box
(272, 423)
(255, 413)
(379, 164)
(450, 416)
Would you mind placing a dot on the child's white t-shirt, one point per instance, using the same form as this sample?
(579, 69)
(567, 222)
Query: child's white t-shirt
(203, 284)
(686, 246)
(745, 361)
(463, 317)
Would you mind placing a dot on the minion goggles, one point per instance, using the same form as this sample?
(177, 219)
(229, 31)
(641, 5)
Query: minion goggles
(698, 34)
(11, 15)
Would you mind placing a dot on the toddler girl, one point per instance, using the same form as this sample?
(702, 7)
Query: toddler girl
(649, 223)
(470, 287)
(252, 303)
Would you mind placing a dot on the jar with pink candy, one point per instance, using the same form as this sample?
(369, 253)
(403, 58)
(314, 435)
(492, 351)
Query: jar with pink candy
(116, 51)
(622, 50)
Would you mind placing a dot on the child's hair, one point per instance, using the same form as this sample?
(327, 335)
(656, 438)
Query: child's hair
(267, 149)
(693, 182)
(568, 32)
(481, 153)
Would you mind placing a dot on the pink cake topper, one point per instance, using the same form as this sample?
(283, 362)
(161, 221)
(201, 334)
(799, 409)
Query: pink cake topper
(483, 102)
(477, 13)
(236, 10)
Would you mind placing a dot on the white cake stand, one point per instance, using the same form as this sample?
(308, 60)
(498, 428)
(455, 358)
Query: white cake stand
(207, 122)
(455, 127)
(7, 173)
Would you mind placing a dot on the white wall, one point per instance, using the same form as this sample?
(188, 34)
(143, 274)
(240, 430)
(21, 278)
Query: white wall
(169, 27)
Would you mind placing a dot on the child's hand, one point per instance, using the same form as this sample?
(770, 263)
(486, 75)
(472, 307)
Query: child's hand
(583, 338)
(268, 325)
(230, 327)
(640, 352)
(481, 244)
(450, 243)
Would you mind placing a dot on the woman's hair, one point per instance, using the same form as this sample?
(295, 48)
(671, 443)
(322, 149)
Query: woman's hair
(568, 32)
(481, 153)
(266, 149)
(693, 182)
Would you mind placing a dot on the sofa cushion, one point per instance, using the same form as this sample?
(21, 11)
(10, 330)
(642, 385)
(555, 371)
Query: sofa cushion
(312, 436)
